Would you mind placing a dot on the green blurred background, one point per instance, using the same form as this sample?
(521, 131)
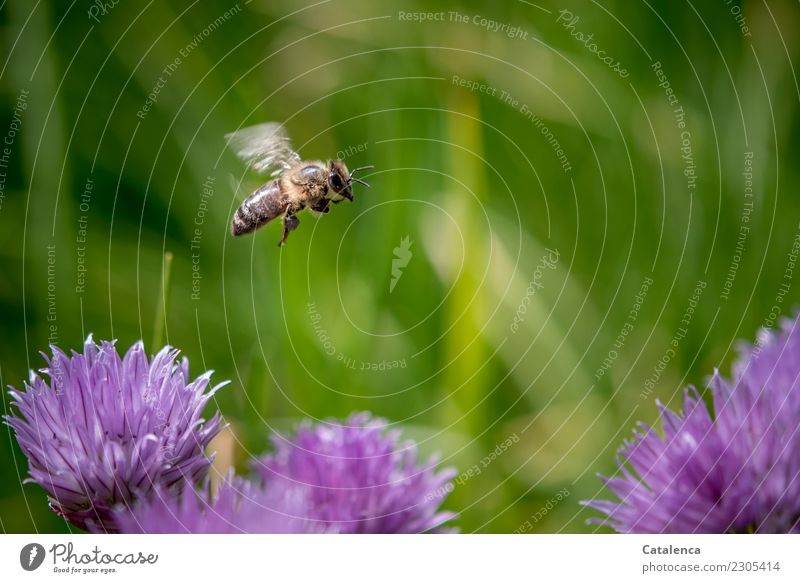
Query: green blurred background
(97, 188)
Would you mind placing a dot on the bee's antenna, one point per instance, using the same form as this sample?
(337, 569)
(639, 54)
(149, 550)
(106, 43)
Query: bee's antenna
(354, 170)
(359, 181)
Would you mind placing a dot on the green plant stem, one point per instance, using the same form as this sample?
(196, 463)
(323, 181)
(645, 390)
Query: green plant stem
(160, 321)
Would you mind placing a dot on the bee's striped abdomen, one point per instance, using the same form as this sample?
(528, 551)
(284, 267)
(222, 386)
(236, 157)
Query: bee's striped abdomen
(265, 204)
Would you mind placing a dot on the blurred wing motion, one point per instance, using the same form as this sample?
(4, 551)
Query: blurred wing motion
(265, 147)
(239, 188)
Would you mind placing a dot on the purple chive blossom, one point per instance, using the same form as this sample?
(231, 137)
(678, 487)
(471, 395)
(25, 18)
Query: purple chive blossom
(358, 477)
(237, 507)
(102, 430)
(737, 470)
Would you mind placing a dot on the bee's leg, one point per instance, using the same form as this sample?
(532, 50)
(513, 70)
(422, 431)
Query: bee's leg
(322, 206)
(290, 223)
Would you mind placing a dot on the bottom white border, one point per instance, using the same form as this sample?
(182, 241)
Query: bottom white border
(415, 558)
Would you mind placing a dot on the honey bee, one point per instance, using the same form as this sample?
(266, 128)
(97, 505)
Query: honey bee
(296, 184)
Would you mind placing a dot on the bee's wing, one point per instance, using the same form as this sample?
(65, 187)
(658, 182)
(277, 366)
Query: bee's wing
(265, 147)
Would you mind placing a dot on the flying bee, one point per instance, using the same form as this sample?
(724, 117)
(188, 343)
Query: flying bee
(296, 184)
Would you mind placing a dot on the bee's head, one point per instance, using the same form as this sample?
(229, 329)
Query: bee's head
(340, 179)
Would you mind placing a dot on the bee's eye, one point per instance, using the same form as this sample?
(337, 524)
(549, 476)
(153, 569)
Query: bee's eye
(336, 181)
